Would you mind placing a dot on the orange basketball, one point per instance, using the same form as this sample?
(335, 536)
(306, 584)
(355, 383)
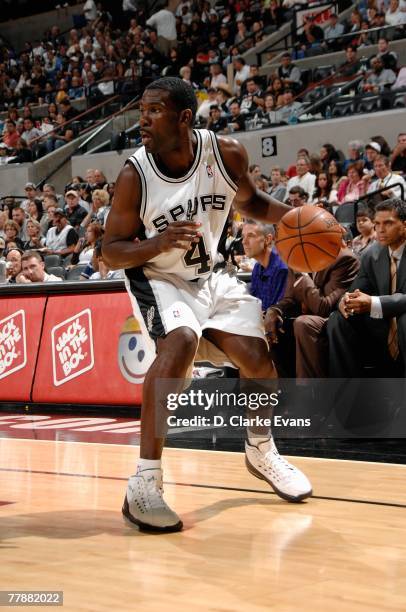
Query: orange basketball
(308, 239)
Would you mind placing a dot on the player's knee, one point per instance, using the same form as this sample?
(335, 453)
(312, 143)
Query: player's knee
(184, 343)
(258, 364)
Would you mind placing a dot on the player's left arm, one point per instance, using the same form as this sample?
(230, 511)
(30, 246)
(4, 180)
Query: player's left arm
(249, 201)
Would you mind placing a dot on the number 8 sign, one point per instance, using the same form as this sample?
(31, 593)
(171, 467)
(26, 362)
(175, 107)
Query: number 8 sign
(269, 146)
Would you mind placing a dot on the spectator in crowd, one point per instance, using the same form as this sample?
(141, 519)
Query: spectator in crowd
(164, 22)
(333, 33)
(242, 72)
(366, 228)
(323, 193)
(310, 301)
(268, 115)
(304, 178)
(398, 157)
(35, 210)
(35, 238)
(328, 153)
(355, 153)
(253, 98)
(297, 196)
(83, 251)
(203, 112)
(291, 108)
(278, 90)
(268, 278)
(378, 79)
(216, 122)
(10, 134)
(33, 269)
(13, 259)
(62, 237)
(372, 150)
(19, 217)
(395, 16)
(335, 173)
(101, 269)
(289, 73)
(386, 178)
(100, 208)
(371, 320)
(352, 65)
(23, 154)
(311, 38)
(67, 110)
(11, 232)
(277, 188)
(236, 121)
(216, 76)
(31, 192)
(74, 212)
(351, 189)
(388, 57)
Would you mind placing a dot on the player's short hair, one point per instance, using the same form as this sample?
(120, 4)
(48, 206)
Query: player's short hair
(395, 204)
(181, 93)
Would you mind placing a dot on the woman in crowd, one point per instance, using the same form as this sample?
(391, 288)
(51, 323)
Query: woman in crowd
(35, 237)
(83, 252)
(324, 191)
(335, 172)
(277, 89)
(100, 208)
(36, 212)
(353, 187)
(328, 153)
(268, 114)
(11, 231)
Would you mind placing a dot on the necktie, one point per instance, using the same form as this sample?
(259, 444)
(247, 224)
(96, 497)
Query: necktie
(393, 345)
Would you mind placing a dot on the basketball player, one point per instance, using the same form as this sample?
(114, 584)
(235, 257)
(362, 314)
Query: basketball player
(178, 189)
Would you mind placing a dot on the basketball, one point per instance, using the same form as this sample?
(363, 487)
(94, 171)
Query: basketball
(308, 239)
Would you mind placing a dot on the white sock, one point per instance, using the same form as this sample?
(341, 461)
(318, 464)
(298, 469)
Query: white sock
(256, 440)
(153, 465)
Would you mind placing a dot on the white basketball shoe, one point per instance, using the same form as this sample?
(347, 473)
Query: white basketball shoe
(264, 462)
(144, 504)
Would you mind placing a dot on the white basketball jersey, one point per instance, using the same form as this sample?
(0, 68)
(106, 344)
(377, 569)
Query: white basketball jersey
(204, 194)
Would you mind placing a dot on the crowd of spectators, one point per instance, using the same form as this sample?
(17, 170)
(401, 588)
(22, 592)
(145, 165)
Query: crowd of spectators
(47, 236)
(197, 43)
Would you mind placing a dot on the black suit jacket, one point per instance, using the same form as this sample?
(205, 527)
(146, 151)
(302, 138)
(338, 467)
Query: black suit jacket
(374, 279)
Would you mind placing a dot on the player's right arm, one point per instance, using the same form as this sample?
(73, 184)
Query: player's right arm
(120, 248)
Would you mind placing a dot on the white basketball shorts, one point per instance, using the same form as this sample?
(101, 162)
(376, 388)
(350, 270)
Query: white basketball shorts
(164, 302)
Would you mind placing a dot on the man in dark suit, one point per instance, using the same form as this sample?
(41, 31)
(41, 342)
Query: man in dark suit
(371, 317)
(310, 301)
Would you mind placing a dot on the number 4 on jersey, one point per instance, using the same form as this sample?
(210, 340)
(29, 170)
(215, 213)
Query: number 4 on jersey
(198, 256)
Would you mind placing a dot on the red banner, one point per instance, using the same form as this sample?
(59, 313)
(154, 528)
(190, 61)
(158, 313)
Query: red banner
(91, 351)
(20, 332)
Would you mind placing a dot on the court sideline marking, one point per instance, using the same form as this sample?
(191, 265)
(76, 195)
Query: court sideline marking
(203, 486)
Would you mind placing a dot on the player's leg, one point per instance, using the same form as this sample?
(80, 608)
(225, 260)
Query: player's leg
(144, 504)
(251, 356)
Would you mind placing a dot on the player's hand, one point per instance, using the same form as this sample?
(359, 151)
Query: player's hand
(179, 235)
(358, 302)
(273, 325)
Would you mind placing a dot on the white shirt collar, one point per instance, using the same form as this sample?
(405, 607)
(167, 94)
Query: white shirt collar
(398, 252)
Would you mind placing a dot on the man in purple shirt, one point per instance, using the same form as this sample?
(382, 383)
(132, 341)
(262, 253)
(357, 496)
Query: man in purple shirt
(268, 279)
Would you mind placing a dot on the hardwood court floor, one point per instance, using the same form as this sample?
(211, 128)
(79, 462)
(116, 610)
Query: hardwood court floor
(242, 548)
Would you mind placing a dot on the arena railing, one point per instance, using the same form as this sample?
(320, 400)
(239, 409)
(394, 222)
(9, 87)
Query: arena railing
(379, 31)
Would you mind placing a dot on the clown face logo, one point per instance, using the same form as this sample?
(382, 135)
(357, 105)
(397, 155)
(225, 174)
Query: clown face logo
(134, 354)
